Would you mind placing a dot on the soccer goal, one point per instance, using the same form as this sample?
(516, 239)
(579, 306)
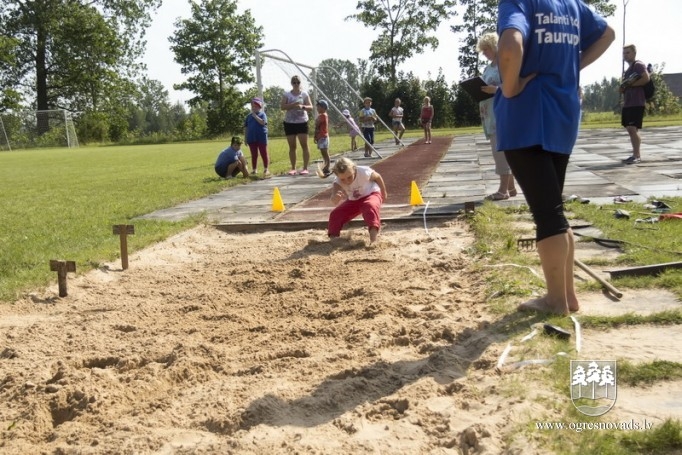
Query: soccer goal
(274, 69)
(4, 145)
(29, 129)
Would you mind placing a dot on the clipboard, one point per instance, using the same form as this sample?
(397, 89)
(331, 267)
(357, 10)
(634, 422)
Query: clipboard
(473, 88)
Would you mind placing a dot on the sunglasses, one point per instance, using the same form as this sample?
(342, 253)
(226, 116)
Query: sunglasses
(295, 83)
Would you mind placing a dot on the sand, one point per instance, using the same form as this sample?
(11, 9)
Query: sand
(284, 342)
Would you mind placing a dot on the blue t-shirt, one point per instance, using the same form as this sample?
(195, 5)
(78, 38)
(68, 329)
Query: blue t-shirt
(255, 132)
(226, 157)
(547, 111)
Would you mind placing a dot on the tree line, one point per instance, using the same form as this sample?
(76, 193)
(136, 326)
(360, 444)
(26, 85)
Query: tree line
(83, 56)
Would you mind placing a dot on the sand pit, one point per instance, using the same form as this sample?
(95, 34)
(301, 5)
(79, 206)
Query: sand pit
(274, 342)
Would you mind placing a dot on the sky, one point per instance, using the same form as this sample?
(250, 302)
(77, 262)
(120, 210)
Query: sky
(310, 31)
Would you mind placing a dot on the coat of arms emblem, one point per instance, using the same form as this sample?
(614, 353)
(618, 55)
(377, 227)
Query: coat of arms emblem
(593, 386)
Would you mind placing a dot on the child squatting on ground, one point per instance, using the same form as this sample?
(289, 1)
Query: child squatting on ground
(231, 161)
(356, 190)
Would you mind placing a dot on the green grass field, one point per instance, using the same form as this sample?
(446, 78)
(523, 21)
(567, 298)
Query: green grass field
(62, 203)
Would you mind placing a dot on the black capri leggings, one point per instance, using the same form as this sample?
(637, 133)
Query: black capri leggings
(541, 175)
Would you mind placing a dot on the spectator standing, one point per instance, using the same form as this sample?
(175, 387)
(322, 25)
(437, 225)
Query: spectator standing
(256, 136)
(634, 101)
(296, 104)
(368, 117)
(426, 118)
(487, 45)
(542, 48)
(322, 134)
(396, 114)
(353, 129)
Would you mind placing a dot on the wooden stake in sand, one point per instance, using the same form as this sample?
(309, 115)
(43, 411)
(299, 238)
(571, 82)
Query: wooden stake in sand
(62, 268)
(123, 230)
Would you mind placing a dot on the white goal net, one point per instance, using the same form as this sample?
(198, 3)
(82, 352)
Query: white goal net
(33, 129)
(274, 70)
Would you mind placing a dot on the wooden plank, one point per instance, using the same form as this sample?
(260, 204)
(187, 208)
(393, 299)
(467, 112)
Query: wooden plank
(123, 230)
(653, 269)
(62, 268)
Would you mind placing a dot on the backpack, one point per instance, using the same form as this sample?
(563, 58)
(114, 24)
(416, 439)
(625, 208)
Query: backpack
(649, 87)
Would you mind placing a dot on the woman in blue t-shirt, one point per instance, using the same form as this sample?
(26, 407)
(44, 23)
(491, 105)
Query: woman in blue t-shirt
(543, 46)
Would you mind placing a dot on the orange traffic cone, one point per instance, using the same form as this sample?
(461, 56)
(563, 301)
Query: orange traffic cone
(277, 204)
(415, 195)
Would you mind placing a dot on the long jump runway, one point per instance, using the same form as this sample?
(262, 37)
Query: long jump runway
(449, 172)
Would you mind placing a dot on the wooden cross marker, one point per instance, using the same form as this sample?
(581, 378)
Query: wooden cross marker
(123, 230)
(62, 268)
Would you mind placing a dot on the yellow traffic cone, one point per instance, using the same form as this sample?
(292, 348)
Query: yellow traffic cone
(277, 204)
(415, 195)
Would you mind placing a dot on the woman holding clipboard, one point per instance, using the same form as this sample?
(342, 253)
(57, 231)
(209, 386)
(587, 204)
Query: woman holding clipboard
(487, 45)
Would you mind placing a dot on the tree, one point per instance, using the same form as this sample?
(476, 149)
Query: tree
(216, 47)
(664, 101)
(406, 27)
(465, 108)
(480, 16)
(442, 102)
(602, 96)
(339, 80)
(603, 7)
(409, 89)
(151, 110)
(9, 97)
(70, 52)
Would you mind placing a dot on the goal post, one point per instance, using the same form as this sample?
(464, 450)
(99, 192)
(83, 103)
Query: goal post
(4, 137)
(287, 65)
(35, 129)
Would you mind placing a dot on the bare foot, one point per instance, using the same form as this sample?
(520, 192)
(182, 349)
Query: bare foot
(573, 305)
(541, 305)
(373, 234)
(335, 241)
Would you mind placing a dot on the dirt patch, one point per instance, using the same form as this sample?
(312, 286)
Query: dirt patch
(274, 342)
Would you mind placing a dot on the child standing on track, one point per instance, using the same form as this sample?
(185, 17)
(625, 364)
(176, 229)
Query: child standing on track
(368, 117)
(322, 134)
(356, 190)
(353, 129)
(256, 136)
(426, 118)
(396, 115)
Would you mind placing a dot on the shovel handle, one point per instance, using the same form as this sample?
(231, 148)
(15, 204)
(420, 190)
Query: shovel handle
(612, 289)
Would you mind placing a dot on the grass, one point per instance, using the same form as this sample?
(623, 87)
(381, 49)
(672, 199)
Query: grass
(61, 204)
(593, 120)
(496, 234)
(496, 230)
(643, 244)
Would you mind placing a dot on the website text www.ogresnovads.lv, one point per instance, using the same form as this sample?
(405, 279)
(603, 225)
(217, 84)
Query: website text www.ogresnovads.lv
(578, 427)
